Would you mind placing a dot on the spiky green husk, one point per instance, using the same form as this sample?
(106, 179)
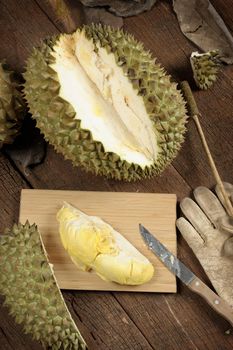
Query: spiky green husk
(56, 118)
(12, 107)
(31, 292)
(205, 68)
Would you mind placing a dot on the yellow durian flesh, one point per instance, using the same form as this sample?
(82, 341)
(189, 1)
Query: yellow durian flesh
(94, 244)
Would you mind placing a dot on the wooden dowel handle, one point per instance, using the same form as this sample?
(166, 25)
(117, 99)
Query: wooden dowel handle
(194, 113)
(215, 172)
(217, 303)
(188, 95)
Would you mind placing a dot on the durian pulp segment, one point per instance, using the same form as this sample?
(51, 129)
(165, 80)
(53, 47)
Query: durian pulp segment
(104, 100)
(93, 244)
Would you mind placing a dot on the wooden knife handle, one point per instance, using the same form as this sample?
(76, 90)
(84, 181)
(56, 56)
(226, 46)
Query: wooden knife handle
(217, 303)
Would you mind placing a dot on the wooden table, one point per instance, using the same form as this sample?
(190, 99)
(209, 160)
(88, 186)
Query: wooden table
(120, 321)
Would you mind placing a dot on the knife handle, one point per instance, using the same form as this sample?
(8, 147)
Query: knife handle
(217, 303)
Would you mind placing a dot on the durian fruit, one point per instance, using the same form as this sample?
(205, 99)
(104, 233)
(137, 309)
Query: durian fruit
(100, 99)
(94, 244)
(31, 292)
(205, 68)
(12, 106)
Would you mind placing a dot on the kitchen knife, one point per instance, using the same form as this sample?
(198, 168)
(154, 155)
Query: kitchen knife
(186, 275)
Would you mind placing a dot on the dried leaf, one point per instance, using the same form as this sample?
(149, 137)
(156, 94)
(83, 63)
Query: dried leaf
(29, 148)
(121, 7)
(100, 15)
(200, 22)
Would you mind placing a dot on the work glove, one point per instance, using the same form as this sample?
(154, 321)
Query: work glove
(208, 230)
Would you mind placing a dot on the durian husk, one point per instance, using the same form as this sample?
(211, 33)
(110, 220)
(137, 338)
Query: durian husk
(56, 118)
(12, 106)
(205, 68)
(31, 292)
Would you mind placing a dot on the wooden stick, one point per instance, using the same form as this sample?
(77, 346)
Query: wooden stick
(194, 114)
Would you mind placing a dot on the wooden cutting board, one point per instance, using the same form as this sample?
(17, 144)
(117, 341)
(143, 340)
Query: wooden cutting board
(124, 211)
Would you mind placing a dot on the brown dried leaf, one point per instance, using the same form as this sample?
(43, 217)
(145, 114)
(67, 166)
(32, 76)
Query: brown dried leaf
(29, 148)
(200, 22)
(122, 8)
(100, 15)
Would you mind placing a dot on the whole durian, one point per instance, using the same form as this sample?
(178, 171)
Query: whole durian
(12, 107)
(94, 245)
(100, 99)
(205, 68)
(31, 292)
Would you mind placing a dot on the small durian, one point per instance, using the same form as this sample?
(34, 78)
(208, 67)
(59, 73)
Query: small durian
(205, 68)
(94, 244)
(12, 106)
(31, 292)
(101, 100)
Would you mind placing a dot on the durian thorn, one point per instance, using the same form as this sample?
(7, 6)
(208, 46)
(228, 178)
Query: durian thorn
(195, 114)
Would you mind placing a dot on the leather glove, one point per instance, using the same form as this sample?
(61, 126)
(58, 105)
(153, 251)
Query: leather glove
(209, 232)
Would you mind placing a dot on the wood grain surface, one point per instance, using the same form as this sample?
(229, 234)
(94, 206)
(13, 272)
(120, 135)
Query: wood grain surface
(113, 320)
(123, 211)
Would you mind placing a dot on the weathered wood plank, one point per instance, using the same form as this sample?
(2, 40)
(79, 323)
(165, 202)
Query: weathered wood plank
(50, 174)
(166, 322)
(10, 185)
(107, 326)
(180, 321)
(224, 8)
(22, 26)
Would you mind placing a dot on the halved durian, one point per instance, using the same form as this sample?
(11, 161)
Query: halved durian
(101, 100)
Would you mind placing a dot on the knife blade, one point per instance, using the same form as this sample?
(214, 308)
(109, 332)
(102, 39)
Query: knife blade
(186, 275)
(168, 259)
